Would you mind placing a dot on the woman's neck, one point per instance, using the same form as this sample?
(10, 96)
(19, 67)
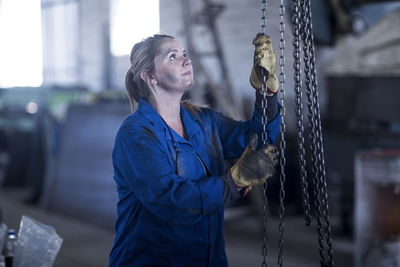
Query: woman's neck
(168, 107)
(170, 112)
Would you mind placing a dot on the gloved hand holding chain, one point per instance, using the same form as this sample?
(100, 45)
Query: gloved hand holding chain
(264, 58)
(255, 166)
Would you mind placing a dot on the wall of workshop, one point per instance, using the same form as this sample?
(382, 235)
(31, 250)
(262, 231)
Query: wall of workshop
(89, 62)
(76, 43)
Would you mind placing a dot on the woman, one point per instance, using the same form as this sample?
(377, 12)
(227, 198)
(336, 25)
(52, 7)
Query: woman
(169, 156)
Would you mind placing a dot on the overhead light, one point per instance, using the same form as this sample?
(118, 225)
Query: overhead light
(31, 107)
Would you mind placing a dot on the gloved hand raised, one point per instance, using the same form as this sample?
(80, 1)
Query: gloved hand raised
(255, 166)
(264, 58)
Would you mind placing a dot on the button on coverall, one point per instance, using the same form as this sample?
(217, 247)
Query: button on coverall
(169, 218)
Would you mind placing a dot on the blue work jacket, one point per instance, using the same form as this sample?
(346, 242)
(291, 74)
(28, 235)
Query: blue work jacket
(168, 217)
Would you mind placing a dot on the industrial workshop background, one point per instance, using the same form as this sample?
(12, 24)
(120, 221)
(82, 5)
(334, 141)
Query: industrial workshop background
(62, 98)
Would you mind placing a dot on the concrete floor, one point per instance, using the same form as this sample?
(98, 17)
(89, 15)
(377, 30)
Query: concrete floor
(87, 245)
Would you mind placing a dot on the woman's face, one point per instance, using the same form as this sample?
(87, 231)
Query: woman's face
(174, 72)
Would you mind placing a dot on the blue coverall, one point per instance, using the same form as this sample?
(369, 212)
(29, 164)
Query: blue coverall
(169, 218)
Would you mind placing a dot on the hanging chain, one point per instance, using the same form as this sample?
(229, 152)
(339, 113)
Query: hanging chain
(302, 24)
(320, 185)
(264, 103)
(283, 130)
(263, 16)
(311, 110)
(319, 145)
(264, 121)
(299, 109)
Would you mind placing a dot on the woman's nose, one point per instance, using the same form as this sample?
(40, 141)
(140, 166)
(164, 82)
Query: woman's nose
(186, 61)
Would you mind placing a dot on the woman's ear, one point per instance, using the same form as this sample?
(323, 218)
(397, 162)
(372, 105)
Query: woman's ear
(150, 79)
(143, 75)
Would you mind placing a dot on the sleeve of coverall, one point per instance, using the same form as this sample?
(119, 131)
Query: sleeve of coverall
(140, 158)
(234, 135)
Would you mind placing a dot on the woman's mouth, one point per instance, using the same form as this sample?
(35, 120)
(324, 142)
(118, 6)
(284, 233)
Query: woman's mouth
(187, 73)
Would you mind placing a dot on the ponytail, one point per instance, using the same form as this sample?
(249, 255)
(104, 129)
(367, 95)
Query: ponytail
(130, 89)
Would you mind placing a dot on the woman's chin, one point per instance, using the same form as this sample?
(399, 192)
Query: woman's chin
(189, 85)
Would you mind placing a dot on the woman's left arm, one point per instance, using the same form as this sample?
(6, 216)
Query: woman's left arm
(235, 135)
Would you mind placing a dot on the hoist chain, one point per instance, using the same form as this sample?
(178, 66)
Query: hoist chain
(283, 130)
(264, 136)
(263, 16)
(302, 30)
(320, 149)
(311, 111)
(264, 251)
(316, 146)
(264, 120)
(299, 109)
(264, 102)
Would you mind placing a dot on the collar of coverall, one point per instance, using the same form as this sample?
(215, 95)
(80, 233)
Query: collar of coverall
(190, 122)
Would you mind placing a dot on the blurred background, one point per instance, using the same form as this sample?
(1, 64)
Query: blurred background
(62, 99)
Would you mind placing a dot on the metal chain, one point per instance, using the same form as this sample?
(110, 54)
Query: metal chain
(264, 120)
(264, 136)
(313, 146)
(264, 251)
(302, 20)
(320, 150)
(263, 16)
(264, 103)
(299, 109)
(283, 130)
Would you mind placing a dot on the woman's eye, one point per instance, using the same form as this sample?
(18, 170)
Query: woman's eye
(172, 56)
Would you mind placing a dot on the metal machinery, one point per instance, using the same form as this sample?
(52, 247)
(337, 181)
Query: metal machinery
(362, 109)
(26, 115)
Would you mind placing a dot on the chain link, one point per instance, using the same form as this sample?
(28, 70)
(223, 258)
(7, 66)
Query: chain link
(283, 130)
(299, 109)
(302, 28)
(264, 136)
(264, 105)
(319, 145)
(264, 120)
(320, 185)
(263, 16)
(264, 251)
(311, 116)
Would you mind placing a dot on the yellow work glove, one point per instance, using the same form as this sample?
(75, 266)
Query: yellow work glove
(264, 58)
(255, 166)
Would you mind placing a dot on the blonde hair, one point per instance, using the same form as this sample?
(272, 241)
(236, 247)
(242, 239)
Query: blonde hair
(142, 58)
